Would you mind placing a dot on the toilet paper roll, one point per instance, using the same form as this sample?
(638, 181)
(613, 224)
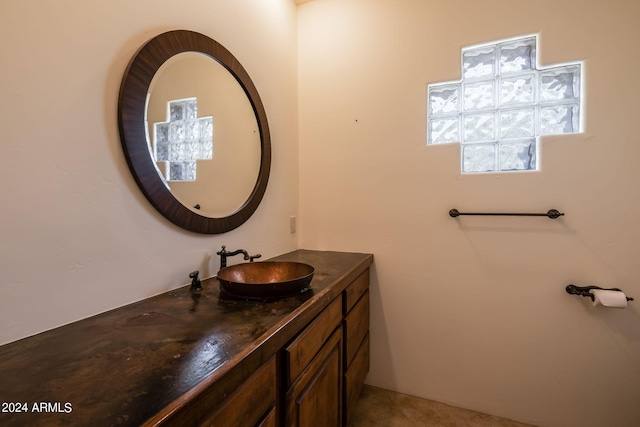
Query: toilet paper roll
(607, 298)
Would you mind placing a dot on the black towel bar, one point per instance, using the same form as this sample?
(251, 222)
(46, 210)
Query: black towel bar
(552, 213)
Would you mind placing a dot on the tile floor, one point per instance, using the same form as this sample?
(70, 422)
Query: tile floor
(379, 407)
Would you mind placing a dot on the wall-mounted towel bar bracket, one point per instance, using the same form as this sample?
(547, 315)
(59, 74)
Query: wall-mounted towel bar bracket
(552, 213)
(585, 291)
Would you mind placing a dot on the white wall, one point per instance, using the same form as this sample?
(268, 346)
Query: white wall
(78, 237)
(473, 312)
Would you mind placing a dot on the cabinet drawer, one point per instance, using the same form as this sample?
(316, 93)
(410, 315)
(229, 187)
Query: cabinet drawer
(354, 376)
(249, 403)
(299, 353)
(356, 326)
(355, 290)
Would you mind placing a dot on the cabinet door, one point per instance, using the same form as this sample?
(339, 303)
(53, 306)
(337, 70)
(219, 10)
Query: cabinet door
(315, 399)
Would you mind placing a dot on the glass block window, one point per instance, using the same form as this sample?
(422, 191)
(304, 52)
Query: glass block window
(503, 103)
(183, 139)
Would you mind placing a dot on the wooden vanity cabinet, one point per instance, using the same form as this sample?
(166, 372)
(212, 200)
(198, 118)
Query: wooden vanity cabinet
(356, 340)
(313, 381)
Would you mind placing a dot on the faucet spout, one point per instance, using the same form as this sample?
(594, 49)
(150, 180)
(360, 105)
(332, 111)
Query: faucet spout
(224, 253)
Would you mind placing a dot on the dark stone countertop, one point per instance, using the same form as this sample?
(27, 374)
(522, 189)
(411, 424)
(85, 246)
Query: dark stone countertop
(136, 363)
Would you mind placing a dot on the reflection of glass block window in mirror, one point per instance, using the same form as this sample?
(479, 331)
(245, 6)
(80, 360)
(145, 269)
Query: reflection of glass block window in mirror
(502, 104)
(183, 139)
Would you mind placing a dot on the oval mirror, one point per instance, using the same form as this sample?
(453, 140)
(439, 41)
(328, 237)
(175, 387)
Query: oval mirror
(194, 132)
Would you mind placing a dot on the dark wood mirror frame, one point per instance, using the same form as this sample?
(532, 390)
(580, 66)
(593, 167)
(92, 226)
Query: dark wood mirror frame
(131, 121)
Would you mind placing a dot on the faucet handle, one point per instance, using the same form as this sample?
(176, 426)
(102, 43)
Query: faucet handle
(195, 281)
(223, 251)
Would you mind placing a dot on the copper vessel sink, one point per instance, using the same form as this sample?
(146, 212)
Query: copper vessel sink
(266, 280)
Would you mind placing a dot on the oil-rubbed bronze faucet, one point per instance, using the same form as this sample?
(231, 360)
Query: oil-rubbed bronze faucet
(224, 254)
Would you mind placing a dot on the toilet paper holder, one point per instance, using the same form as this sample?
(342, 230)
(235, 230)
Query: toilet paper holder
(585, 291)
